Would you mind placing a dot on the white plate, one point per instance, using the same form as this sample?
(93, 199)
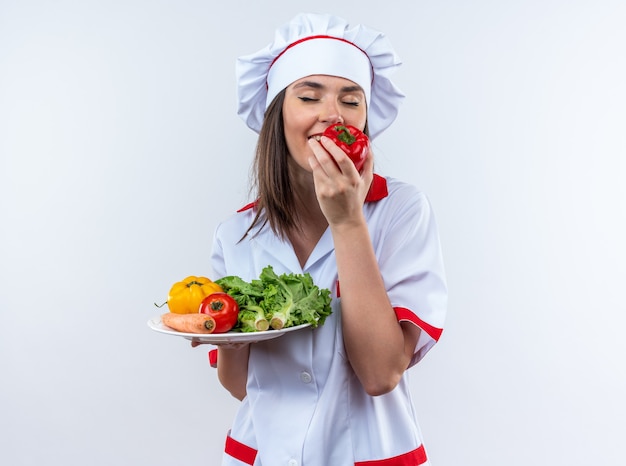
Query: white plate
(228, 337)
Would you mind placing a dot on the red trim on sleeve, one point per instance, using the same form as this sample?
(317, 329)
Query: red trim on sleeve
(213, 358)
(404, 314)
(412, 458)
(239, 451)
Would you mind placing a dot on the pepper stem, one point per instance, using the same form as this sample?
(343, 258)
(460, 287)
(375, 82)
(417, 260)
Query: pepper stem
(344, 134)
(193, 282)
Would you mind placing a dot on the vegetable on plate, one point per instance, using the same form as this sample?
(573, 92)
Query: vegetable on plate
(248, 296)
(189, 323)
(277, 301)
(223, 308)
(186, 296)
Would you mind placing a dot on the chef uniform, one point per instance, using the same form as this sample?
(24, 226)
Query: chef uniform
(304, 404)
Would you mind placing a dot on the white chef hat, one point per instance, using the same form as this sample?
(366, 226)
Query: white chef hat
(320, 44)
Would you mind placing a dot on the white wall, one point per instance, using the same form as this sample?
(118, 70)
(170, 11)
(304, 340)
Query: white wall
(120, 150)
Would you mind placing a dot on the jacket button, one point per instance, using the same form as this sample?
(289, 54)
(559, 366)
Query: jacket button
(306, 378)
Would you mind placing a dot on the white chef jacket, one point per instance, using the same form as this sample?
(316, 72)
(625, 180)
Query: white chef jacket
(304, 404)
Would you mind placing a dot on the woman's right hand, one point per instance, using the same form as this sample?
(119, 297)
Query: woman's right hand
(340, 188)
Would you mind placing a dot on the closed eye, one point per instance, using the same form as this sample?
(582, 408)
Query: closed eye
(308, 99)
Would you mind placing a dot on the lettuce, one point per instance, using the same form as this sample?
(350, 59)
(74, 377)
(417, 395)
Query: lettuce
(284, 300)
(248, 296)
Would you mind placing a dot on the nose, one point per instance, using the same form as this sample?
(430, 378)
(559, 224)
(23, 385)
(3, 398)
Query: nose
(331, 114)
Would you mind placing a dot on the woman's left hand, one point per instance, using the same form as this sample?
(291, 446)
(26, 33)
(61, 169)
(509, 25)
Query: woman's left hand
(340, 188)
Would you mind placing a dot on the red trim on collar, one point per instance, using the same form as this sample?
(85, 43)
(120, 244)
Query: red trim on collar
(378, 190)
(248, 206)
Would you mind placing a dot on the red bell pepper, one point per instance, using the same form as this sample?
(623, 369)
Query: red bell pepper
(351, 140)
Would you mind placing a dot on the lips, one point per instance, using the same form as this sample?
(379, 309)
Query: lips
(317, 136)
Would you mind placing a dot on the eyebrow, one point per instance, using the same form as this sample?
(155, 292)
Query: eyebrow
(316, 85)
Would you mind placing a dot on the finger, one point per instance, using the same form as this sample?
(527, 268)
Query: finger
(233, 346)
(341, 158)
(338, 155)
(366, 174)
(368, 166)
(323, 157)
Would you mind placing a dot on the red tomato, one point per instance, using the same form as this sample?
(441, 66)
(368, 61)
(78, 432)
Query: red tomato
(224, 310)
(351, 140)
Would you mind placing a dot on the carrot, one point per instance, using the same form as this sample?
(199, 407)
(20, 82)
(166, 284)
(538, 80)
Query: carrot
(189, 323)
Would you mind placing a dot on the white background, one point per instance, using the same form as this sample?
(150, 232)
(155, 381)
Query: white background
(120, 149)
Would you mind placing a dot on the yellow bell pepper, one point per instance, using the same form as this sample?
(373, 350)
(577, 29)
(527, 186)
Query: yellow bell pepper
(186, 296)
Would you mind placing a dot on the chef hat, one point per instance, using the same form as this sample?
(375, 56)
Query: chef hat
(320, 44)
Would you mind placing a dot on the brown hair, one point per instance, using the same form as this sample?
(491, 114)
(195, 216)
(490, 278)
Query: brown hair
(275, 202)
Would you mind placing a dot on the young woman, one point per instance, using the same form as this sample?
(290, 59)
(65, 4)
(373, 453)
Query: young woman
(336, 395)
